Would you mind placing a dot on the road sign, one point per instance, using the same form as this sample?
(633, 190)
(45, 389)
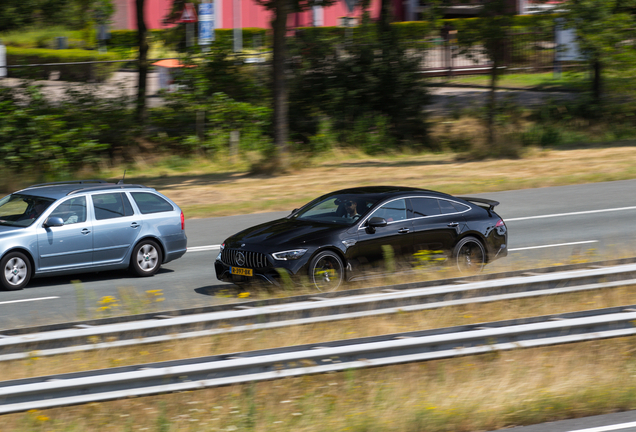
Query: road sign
(189, 15)
(206, 23)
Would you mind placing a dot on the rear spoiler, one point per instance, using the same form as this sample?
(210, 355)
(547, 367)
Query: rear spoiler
(491, 204)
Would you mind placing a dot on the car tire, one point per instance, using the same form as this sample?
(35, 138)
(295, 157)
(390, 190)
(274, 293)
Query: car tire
(469, 256)
(326, 271)
(16, 271)
(146, 258)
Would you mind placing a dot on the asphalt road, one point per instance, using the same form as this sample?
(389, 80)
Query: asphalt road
(546, 225)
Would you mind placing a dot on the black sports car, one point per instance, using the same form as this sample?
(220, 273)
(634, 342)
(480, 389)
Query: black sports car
(342, 232)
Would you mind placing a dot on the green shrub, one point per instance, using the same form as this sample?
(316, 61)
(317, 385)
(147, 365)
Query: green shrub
(74, 72)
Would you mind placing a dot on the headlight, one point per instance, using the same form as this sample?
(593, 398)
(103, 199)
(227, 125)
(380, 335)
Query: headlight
(222, 247)
(289, 255)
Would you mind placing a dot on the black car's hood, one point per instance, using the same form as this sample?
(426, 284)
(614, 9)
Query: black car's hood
(284, 232)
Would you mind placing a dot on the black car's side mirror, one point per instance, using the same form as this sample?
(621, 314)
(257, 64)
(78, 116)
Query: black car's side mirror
(293, 212)
(54, 221)
(375, 222)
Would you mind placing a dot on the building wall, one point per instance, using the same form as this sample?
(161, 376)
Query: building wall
(249, 14)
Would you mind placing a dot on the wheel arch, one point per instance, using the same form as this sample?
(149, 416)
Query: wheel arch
(331, 249)
(156, 240)
(479, 236)
(26, 253)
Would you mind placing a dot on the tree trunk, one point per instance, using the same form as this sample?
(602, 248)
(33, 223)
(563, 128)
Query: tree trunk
(492, 101)
(597, 89)
(281, 96)
(143, 63)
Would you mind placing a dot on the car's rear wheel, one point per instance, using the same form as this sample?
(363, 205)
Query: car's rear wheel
(470, 255)
(16, 271)
(146, 258)
(326, 271)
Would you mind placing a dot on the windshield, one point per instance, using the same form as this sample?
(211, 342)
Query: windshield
(22, 210)
(338, 209)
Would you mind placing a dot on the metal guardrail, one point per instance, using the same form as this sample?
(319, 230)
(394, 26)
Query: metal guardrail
(306, 310)
(191, 374)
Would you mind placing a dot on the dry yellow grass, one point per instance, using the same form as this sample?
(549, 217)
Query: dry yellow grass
(220, 190)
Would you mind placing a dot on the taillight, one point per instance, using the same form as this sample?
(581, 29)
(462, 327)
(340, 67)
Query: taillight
(500, 223)
(182, 221)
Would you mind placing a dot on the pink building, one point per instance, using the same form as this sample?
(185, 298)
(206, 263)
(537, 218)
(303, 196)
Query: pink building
(246, 13)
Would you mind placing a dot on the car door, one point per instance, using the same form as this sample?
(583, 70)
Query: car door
(436, 224)
(116, 227)
(68, 246)
(372, 242)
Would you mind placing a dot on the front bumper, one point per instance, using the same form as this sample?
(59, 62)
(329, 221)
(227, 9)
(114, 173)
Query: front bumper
(265, 269)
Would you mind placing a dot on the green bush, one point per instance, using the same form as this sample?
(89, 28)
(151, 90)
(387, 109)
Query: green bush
(73, 72)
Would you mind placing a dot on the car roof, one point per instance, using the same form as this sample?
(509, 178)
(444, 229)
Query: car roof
(57, 190)
(381, 192)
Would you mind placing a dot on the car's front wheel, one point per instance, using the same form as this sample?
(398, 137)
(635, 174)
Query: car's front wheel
(470, 255)
(16, 271)
(326, 271)
(146, 258)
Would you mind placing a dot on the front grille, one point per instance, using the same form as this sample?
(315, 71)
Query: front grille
(252, 259)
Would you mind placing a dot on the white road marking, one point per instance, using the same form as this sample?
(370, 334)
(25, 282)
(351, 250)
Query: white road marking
(607, 428)
(570, 214)
(204, 248)
(553, 245)
(27, 300)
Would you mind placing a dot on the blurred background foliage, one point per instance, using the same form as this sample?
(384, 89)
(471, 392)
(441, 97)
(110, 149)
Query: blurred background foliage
(360, 87)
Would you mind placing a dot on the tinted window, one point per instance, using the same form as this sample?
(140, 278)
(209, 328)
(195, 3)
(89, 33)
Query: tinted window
(459, 207)
(71, 211)
(425, 207)
(151, 203)
(447, 207)
(108, 206)
(392, 211)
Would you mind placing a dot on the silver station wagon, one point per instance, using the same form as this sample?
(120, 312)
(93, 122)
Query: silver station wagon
(86, 226)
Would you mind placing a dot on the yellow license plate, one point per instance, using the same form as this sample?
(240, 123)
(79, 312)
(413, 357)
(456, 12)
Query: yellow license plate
(241, 271)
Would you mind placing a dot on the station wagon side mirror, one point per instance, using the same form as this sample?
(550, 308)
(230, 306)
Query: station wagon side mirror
(54, 221)
(375, 222)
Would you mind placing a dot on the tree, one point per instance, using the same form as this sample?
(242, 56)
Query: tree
(602, 28)
(142, 42)
(281, 10)
(486, 36)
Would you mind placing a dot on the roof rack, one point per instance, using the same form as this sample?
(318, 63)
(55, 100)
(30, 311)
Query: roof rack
(68, 182)
(105, 187)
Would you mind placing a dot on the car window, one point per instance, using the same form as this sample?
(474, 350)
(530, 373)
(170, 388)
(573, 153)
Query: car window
(447, 207)
(339, 209)
(425, 207)
(71, 211)
(108, 205)
(392, 211)
(151, 203)
(22, 210)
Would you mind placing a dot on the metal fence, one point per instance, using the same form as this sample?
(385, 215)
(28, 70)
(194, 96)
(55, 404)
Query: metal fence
(527, 52)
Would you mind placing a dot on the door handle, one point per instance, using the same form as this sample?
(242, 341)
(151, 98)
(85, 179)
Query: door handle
(453, 224)
(403, 230)
(134, 225)
(85, 231)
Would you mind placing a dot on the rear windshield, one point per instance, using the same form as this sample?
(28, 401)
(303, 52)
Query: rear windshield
(22, 210)
(151, 203)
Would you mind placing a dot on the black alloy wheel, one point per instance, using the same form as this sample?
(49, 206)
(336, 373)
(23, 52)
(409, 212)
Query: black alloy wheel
(470, 255)
(146, 258)
(16, 271)
(326, 271)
